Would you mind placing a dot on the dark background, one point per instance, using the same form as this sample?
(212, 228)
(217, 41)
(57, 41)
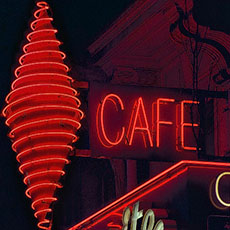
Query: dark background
(79, 23)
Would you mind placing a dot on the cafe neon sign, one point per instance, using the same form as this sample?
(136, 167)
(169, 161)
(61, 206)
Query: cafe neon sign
(139, 122)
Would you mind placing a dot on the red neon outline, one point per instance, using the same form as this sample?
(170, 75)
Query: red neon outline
(29, 36)
(37, 186)
(42, 4)
(41, 211)
(42, 172)
(158, 122)
(139, 192)
(45, 75)
(42, 161)
(132, 123)
(40, 42)
(97, 128)
(183, 124)
(21, 61)
(41, 147)
(39, 108)
(112, 225)
(41, 64)
(36, 124)
(41, 200)
(45, 221)
(100, 122)
(33, 26)
(34, 86)
(40, 95)
(44, 134)
(43, 114)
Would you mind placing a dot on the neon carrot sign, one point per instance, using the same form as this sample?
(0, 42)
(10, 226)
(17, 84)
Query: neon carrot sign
(148, 122)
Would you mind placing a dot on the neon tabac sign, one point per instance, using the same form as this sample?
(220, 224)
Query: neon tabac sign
(148, 219)
(142, 122)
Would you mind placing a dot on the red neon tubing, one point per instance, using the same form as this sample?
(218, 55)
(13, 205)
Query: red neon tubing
(43, 115)
(144, 189)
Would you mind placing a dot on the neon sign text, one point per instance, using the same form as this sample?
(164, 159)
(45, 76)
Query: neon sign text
(118, 104)
(148, 222)
(139, 122)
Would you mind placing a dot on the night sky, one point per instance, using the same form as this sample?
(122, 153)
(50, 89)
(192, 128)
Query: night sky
(79, 23)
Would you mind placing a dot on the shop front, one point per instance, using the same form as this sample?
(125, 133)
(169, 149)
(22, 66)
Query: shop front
(188, 195)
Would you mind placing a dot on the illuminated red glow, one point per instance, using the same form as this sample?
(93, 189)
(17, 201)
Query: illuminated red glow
(100, 120)
(115, 226)
(160, 122)
(143, 190)
(139, 122)
(43, 115)
(186, 124)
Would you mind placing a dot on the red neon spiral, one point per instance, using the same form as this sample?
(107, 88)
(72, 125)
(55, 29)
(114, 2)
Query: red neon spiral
(43, 114)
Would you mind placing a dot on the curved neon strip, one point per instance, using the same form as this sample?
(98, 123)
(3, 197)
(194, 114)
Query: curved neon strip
(41, 211)
(101, 108)
(42, 200)
(225, 204)
(40, 52)
(38, 86)
(37, 186)
(98, 131)
(42, 172)
(39, 95)
(39, 20)
(115, 226)
(40, 42)
(43, 5)
(39, 108)
(65, 67)
(29, 36)
(44, 222)
(41, 85)
(36, 123)
(41, 161)
(41, 147)
(43, 114)
(37, 135)
(44, 75)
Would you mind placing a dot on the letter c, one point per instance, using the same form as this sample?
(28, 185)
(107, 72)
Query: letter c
(217, 189)
(115, 99)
